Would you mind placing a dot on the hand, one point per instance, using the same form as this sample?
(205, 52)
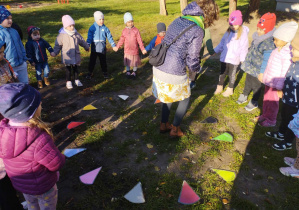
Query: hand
(115, 49)
(52, 54)
(279, 93)
(144, 52)
(32, 64)
(260, 77)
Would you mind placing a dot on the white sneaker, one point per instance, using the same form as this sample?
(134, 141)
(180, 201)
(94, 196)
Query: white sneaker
(78, 83)
(69, 85)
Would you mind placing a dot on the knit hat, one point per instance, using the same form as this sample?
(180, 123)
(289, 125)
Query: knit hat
(128, 17)
(286, 32)
(19, 101)
(98, 15)
(4, 13)
(30, 29)
(235, 18)
(295, 42)
(67, 21)
(161, 27)
(267, 22)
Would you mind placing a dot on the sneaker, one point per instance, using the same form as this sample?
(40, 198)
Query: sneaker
(282, 146)
(251, 105)
(106, 75)
(242, 99)
(290, 171)
(275, 135)
(69, 85)
(228, 92)
(192, 85)
(78, 83)
(128, 74)
(266, 123)
(134, 74)
(289, 161)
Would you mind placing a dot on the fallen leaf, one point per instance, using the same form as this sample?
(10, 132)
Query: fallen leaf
(157, 168)
(224, 201)
(149, 146)
(162, 183)
(114, 174)
(144, 133)
(110, 98)
(146, 158)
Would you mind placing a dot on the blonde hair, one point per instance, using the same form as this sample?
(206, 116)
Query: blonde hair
(36, 121)
(240, 31)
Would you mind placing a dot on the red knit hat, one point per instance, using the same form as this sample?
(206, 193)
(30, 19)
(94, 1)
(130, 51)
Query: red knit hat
(267, 22)
(30, 29)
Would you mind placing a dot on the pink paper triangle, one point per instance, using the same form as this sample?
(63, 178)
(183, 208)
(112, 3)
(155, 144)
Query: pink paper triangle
(187, 195)
(72, 125)
(89, 177)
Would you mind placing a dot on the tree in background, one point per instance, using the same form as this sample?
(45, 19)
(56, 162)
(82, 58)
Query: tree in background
(183, 4)
(232, 6)
(163, 10)
(253, 7)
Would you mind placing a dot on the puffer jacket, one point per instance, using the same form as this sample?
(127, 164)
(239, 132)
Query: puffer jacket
(14, 52)
(185, 51)
(69, 46)
(36, 50)
(30, 157)
(291, 86)
(277, 67)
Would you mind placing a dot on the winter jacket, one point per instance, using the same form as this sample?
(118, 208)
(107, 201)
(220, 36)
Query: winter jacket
(207, 42)
(69, 46)
(97, 36)
(233, 51)
(291, 86)
(154, 42)
(7, 74)
(30, 157)
(185, 51)
(277, 67)
(254, 59)
(36, 50)
(14, 51)
(131, 37)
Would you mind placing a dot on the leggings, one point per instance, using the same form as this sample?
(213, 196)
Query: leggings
(179, 114)
(69, 72)
(92, 61)
(230, 70)
(252, 83)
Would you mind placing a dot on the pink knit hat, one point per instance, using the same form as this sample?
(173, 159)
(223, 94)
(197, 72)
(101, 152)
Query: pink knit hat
(235, 18)
(67, 21)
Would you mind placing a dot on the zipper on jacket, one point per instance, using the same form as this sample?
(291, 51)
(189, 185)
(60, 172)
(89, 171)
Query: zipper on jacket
(295, 93)
(40, 50)
(14, 45)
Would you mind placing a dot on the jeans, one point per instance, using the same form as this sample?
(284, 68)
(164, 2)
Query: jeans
(22, 73)
(39, 67)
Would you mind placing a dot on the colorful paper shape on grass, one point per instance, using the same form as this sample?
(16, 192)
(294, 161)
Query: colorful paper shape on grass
(123, 97)
(89, 107)
(89, 177)
(228, 176)
(157, 101)
(72, 125)
(135, 195)
(224, 137)
(210, 120)
(187, 195)
(72, 152)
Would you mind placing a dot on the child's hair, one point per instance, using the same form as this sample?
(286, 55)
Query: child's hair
(36, 121)
(210, 10)
(240, 31)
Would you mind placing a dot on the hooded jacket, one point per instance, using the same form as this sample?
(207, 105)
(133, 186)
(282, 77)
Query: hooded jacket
(36, 50)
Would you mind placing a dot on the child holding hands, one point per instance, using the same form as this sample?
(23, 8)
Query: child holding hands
(68, 42)
(131, 38)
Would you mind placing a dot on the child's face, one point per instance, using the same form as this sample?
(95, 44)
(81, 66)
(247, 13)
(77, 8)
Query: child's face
(234, 27)
(2, 53)
(260, 31)
(7, 22)
(162, 33)
(100, 22)
(279, 43)
(295, 52)
(130, 24)
(70, 28)
(35, 35)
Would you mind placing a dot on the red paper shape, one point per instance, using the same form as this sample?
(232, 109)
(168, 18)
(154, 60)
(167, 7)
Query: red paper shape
(157, 101)
(72, 125)
(187, 195)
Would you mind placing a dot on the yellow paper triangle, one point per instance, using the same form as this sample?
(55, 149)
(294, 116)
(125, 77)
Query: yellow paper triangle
(89, 107)
(228, 176)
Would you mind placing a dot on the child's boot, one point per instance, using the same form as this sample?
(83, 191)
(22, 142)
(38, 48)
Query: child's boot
(165, 127)
(40, 84)
(69, 85)
(218, 90)
(78, 83)
(47, 81)
(229, 91)
(176, 131)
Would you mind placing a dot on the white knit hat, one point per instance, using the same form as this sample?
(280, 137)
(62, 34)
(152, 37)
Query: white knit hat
(98, 15)
(127, 17)
(286, 32)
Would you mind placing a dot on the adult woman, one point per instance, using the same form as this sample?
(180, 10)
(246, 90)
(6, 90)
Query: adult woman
(170, 80)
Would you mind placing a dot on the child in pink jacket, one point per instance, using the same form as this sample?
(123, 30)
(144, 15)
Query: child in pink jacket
(27, 148)
(131, 37)
(274, 75)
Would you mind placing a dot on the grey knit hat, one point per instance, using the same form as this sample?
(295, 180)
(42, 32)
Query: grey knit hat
(161, 27)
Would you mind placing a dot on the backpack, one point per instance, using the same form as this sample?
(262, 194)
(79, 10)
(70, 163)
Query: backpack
(158, 53)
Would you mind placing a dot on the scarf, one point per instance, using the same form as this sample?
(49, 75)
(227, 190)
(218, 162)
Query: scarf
(71, 33)
(199, 20)
(258, 39)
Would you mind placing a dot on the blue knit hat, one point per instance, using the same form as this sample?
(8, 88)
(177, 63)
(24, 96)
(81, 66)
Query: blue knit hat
(19, 101)
(4, 13)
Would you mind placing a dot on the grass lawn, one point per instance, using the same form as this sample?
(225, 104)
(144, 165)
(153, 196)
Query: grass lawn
(123, 138)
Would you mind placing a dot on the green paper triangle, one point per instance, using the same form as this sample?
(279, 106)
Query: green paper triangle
(228, 176)
(224, 137)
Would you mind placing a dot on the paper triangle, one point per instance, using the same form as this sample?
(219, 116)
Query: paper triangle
(228, 176)
(209, 120)
(72, 152)
(224, 137)
(157, 101)
(72, 125)
(89, 107)
(187, 195)
(123, 97)
(135, 195)
(89, 177)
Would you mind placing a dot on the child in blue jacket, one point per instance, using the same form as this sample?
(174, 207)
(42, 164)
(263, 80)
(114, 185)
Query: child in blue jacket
(37, 55)
(161, 29)
(97, 35)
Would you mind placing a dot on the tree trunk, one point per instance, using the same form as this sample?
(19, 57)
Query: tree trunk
(183, 4)
(254, 6)
(163, 10)
(232, 6)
